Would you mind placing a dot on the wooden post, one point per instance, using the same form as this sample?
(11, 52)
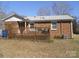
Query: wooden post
(71, 25)
(25, 26)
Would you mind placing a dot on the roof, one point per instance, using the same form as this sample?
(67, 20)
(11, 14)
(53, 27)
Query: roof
(42, 18)
(11, 15)
(58, 17)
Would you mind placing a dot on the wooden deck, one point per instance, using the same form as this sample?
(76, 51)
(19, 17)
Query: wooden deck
(33, 35)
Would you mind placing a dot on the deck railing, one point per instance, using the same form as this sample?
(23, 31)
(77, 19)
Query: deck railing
(38, 34)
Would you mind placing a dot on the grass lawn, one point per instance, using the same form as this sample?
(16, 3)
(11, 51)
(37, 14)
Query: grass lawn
(44, 49)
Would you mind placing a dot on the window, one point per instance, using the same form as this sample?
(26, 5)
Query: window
(53, 25)
(31, 27)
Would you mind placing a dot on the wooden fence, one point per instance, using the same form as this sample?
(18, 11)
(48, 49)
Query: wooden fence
(42, 35)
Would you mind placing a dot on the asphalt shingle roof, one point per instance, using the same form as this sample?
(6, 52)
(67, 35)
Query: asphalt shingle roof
(58, 17)
(42, 18)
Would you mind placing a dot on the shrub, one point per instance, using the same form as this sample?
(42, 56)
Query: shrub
(59, 37)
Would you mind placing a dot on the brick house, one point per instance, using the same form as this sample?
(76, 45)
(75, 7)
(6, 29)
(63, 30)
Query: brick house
(56, 26)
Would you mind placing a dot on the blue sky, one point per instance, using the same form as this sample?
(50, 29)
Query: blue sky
(29, 8)
(25, 8)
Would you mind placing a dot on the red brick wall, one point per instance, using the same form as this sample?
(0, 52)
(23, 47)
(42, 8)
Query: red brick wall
(62, 28)
(66, 28)
(42, 25)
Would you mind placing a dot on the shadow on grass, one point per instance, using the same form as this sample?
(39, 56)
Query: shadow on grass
(47, 40)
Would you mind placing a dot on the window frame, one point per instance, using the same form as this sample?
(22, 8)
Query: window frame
(54, 23)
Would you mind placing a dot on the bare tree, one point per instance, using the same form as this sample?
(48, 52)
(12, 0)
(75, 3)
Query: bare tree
(2, 10)
(43, 12)
(60, 8)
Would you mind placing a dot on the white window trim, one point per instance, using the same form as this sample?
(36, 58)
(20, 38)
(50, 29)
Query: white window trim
(53, 28)
(32, 29)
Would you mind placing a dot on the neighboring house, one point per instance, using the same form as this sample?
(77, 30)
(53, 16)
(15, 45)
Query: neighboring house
(55, 26)
(2, 27)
